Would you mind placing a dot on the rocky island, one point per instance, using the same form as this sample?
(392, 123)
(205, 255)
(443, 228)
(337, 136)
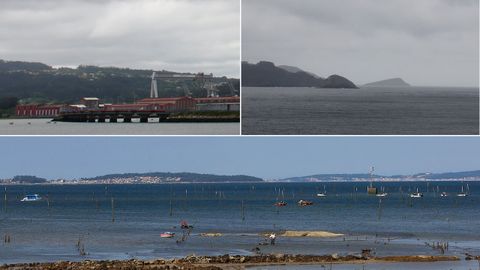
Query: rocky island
(394, 82)
(266, 74)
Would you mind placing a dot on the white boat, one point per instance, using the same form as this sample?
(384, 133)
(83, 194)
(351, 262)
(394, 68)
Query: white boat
(322, 194)
(382, 194)
(462, 193)
(444, 194)
(416, 194)
(31, 198)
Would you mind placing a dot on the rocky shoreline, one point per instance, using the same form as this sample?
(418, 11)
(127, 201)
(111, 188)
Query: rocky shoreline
(224, 262)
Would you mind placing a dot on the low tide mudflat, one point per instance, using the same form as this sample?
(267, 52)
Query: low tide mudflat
(81, 216)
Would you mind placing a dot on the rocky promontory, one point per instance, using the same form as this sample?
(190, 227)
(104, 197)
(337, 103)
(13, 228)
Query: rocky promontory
(266, 74)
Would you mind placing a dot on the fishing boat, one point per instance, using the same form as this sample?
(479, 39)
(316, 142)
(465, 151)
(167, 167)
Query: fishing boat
(280, 204)
(167, 235)
(304, 203)
(462, 193)
(416, 194)
(31, 198)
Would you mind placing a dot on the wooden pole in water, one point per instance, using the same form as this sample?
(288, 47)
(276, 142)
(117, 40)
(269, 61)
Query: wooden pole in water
(5, 200)
(243, 211)
(48, 203)
(113, 210)
(171, 209)
(379, 214)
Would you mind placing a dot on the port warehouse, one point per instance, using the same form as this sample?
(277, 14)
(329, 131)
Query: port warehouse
(151, 105)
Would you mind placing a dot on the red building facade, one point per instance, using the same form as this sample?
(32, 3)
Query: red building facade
(37, 110)
(171, 104)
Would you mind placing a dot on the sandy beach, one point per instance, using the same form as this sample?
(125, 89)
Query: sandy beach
(310, 234)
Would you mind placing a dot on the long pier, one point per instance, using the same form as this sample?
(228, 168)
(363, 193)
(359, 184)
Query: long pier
(112, 116)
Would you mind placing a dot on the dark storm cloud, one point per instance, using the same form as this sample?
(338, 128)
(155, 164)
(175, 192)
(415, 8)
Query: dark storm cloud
(178, 35)
(427, 42)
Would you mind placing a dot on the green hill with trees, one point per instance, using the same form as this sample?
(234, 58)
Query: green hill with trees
(30, 82)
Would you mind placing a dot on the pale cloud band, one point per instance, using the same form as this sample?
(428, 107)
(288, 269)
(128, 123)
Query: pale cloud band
(179, 35)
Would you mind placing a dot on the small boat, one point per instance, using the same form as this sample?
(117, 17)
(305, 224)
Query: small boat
(167, 235)
(382, 194)
(444, 194)
(416, 194)
(322, 194)
(280, 204)
(304, 203)
(184, 225)
(31, 198)
(462, 193)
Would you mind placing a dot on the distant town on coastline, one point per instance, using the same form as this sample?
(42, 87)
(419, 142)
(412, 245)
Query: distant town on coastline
(185, 177)
(29, 89)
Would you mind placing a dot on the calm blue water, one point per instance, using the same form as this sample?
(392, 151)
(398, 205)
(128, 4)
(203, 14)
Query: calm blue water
(412, 110)
(47, 233)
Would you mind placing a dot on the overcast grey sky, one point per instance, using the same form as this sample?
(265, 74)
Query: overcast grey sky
(179, 35)
(425, 42)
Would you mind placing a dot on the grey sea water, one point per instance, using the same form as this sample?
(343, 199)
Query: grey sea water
(412, 110)
(46, 127)
(49, 230)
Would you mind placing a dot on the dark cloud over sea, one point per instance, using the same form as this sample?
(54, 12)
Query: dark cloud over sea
(427, 42)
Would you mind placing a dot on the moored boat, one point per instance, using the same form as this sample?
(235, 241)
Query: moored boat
(462, 193)
(167, 235)
(382, 194)
(304, 203)
(322, 194)
(416, 194)
(280, 204)
(31, 198)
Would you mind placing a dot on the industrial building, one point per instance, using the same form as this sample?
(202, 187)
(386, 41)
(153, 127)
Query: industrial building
(38, 110)
(153, 105)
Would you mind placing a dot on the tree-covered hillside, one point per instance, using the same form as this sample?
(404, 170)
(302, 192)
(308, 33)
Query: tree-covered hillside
(40, 83)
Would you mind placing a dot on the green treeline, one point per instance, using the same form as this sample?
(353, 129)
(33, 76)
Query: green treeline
(39, 83)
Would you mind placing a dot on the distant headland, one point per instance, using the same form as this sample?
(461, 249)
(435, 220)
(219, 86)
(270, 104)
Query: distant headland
(394, 82)
(266, 74)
